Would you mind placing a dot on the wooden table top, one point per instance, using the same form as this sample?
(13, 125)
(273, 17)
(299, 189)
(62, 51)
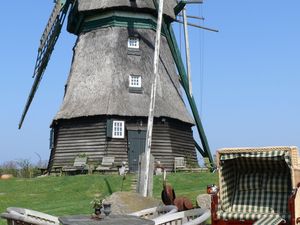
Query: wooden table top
(108, 220)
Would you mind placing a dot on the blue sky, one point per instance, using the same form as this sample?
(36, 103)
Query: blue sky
(246, 78)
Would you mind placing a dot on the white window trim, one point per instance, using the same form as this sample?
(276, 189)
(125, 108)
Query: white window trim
(137, 46)
(118, 133)
(139, 81)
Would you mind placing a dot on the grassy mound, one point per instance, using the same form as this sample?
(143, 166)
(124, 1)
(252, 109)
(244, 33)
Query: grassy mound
(69, 195)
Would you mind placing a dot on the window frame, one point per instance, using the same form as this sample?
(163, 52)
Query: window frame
(139, 81)
(132, 40)
(51, 139)
(122, 131)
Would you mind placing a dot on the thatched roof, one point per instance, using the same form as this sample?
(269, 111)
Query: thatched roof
(134, 5)
(99, 77)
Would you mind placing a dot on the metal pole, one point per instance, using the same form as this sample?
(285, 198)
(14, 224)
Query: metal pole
(193, 17)
(153, 97)
(194, 2)
(198, 26)
(187, 49)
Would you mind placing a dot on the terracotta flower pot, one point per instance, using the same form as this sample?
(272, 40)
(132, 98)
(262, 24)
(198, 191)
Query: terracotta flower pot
(97, 211)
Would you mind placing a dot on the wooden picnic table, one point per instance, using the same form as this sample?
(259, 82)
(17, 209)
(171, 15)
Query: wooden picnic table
(107, 220)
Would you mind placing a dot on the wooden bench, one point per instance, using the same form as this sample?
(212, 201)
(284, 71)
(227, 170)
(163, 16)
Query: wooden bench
(179, 163)
(80, 165)
(44, 170)
(107, 164)
(15, 215)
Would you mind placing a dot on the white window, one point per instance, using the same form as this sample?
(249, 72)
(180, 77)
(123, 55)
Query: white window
(133, 42)
(118, 129)
(135, 81)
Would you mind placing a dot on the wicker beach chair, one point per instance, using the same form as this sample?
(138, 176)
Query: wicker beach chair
(28, 217)
(257, 186)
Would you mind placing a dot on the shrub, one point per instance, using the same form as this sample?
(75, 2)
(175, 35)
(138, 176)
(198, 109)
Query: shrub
(22, 168)
(25, 168)
(9, 167)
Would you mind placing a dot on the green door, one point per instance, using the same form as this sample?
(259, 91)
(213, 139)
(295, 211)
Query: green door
(136, 146)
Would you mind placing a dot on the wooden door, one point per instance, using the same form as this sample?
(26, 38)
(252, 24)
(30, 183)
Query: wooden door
(136, 146)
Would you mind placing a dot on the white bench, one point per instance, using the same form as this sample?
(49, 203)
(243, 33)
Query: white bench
(179, 163)
(188, 217)
(27, 216)
(155, 212)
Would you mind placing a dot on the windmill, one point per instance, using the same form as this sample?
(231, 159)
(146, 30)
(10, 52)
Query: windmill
(107, 94)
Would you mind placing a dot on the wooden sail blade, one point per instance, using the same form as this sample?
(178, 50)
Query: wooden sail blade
(192, 17)
(55, 12)
(47, 43)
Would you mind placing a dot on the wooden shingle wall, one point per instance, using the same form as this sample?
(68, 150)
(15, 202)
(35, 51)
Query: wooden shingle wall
(88, 136)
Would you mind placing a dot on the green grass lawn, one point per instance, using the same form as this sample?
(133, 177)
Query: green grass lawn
(69, 195)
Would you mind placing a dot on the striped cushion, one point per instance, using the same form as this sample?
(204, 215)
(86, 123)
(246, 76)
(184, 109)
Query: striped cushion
(228, 176)
(277, 182)
(259, 195)
(251, 201)
(270, 156)
(250, 181)
(260, 201)
(269, 220)
(248, 216)
(238, 215)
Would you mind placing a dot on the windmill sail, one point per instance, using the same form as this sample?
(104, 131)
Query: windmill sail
(47, 43)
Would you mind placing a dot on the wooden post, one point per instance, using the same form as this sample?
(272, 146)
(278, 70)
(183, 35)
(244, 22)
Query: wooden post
(141, 175)
(152, 101)
(187, 49)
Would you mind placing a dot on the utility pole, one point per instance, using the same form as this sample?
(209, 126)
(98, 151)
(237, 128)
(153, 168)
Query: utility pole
(153, 97)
